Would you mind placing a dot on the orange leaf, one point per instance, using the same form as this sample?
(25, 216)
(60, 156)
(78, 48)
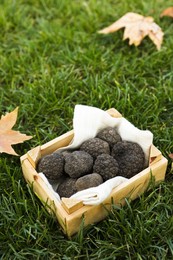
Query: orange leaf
(167, 12)
(8, 136)
(137, 27)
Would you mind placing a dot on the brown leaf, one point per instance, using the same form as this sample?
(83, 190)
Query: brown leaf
(136, 28)
(8, 136)
(171, 156)
(167, 12)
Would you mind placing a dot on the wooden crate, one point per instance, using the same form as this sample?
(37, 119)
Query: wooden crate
(70, 213)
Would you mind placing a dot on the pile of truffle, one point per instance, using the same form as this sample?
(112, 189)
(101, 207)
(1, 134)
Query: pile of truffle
(95, 161)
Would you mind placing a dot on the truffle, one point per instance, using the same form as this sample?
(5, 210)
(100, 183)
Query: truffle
(109, 135)
(67, 187)
(130, 157)
(78, 163)
(51, 165)
(88, 181)
(95, 147)
(106, 166)
(66, 153)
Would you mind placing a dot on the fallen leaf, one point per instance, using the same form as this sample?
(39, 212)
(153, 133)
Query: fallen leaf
(171, 156)
(136, 28)
(167, 12)
(8, 136)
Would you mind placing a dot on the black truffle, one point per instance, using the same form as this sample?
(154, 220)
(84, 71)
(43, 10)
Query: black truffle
(51, 165)
(78, 163)
(109, 135)
(88, 181)
(95, 147)
(67, 187)
(106, 166)
(66, 153)
(130, 157)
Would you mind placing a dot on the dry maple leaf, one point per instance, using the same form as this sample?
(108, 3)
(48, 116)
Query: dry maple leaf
(167, 12)
(8, 136)
(136, 28)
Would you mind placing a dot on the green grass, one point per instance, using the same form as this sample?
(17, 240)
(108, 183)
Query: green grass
(51, 58)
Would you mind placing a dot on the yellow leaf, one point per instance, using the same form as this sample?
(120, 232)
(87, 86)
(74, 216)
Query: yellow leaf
(8, 136)
(137, 27)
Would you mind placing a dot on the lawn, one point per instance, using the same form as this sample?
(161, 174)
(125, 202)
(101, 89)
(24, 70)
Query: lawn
(52, 58)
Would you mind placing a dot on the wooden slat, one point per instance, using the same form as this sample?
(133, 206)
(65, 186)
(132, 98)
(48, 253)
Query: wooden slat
(114, 113)
(34, 155)
(71, 205)
(155, 155)
(57, 143)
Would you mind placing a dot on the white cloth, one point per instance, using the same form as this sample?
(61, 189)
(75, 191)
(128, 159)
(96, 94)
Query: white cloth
(54, 194)
(87, 122)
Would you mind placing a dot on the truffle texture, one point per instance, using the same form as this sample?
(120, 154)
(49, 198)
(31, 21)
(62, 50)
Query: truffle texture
(130, 157)
(66, 153)
(51, 165)
(106, 166)
(78, 163)
(67, 187)
(88, 181)
(95, 147)
(109, 135)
